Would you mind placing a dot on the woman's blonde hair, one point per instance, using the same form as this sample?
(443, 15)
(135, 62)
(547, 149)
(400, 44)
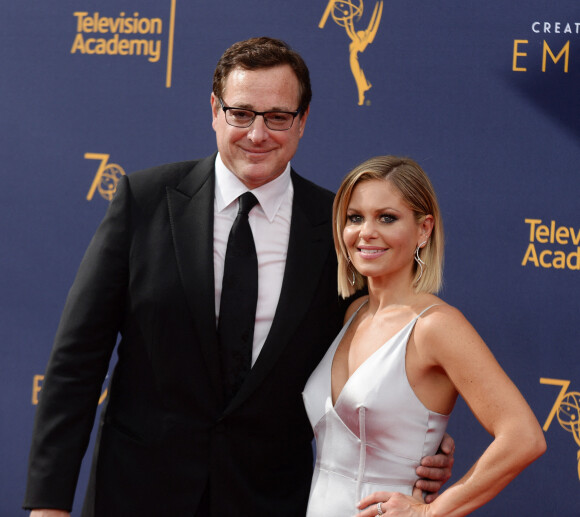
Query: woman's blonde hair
(417, 191)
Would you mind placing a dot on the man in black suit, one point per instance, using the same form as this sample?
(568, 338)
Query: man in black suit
(170, 441)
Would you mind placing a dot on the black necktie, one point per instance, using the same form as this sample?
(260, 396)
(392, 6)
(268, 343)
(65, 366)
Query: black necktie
(238, 300)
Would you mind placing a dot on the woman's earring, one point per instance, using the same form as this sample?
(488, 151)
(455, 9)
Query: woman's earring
(419, 261)
(350, 267)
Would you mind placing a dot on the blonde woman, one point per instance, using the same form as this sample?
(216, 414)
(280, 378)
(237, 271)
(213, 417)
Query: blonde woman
(381, 397)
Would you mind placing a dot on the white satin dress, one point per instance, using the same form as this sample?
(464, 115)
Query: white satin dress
(375, 435)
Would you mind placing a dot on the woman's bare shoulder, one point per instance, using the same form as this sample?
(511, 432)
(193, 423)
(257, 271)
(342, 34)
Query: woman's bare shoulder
(440, 319)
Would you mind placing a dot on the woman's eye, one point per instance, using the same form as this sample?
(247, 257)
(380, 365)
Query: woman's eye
(354, 218)
(386, 218)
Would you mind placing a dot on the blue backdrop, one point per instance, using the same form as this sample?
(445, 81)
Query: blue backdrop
(484, 95)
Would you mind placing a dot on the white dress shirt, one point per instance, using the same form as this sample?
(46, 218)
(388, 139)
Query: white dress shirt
(270, 224)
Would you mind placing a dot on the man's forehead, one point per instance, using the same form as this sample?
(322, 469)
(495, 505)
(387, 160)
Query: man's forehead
(255, 75)
(277, 87)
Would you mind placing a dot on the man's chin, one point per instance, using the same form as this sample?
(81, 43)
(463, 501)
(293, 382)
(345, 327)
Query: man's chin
(254, 177)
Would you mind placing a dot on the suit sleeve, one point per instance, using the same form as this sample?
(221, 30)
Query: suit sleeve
(86, 337)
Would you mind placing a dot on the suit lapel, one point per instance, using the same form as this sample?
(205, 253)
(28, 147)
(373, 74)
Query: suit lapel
(191, 206)
(307, 253)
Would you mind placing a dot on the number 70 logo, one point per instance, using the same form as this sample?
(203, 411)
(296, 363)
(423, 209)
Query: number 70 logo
(106, 178)
(566, 409)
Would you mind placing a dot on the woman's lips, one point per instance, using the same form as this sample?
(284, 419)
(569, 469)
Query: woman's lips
(371, 253)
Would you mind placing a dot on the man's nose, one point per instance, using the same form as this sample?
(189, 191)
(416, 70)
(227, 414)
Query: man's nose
(258, 131)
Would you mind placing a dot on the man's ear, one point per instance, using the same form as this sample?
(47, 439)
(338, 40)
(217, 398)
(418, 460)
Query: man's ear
(215, 107)
(302, 121)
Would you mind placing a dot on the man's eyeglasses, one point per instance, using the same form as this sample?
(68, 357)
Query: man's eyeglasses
(274, 120)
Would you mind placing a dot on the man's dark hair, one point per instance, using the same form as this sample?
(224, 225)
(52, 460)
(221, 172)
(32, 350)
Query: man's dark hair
(258, 53)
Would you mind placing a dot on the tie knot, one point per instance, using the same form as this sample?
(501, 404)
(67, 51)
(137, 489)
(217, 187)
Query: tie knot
(247, 202)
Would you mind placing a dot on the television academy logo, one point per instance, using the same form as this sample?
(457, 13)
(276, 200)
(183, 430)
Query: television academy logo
(552, 245)
(124, 35)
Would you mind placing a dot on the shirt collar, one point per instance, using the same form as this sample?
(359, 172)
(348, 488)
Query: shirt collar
(228, 188)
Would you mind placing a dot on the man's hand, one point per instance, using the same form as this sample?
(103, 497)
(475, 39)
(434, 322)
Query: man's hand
(435, 471)
(49, 513)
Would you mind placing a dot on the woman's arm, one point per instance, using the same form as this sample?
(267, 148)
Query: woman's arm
(446, 340)
(450, 341)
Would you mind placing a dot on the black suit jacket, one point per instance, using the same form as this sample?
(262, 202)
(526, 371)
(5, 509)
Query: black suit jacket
(166, 434)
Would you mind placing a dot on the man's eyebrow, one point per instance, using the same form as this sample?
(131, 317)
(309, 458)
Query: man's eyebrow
(247, 106)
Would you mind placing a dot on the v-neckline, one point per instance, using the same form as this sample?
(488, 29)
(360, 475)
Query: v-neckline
(335, 403)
